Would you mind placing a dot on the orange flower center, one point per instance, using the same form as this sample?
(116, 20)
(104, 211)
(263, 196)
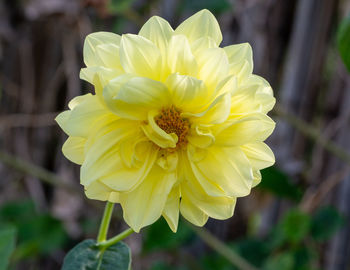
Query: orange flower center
(170, 121)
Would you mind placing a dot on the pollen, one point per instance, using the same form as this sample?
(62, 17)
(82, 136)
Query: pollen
(170, 121)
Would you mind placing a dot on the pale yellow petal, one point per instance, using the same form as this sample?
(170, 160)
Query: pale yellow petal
(99, 191)
(216, 113)
(188, 93)
(201, 136)
(156, 134)
(240, 57)
(172, 208)
(145, 204)
(92, 41)
(213, 66)
(180, 58)
(99, 77)
(253, 127)
(192, 213)
(202, 44)
(81, 120)
(259, 155)
(73, 149)
(201, 24)
(140, 56)
(134, 98)
(109, 56)
(157, 30)
(234, 177)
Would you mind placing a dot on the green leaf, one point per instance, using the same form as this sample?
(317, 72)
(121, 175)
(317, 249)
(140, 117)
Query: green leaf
(7, 245)
(279, 184)
(281, 261)
(325, 223)
(296, 225)
(343, 41)
(87, 256)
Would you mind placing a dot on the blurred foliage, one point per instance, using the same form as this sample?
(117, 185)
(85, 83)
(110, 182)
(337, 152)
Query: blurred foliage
(7, 245)
(343, 40)
(216, 7)
(279, 184)
(38, 234)
(293, 244)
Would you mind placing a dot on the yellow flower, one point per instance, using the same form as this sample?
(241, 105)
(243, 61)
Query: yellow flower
(177, 123)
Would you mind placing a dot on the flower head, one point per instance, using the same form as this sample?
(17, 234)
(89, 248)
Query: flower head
(176, 125)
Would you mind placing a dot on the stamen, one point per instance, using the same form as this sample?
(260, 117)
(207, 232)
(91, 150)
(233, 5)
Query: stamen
(170, 121)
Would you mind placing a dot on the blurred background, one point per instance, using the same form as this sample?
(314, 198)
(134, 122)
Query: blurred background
(296, 219)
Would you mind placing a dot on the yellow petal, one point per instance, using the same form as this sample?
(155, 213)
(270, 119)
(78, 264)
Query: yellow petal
(80, 121)
(156, 134)
(215, 207)
(201, 136)
(136, 97)
(253, 127)
(180, 58)
(234, 177)
(103, 157)
(92, 41)
(145, 204)
(259, 154)
(157, 30)
(99, 191)
(73, 149)
(99, 77)
(216, 113)
(188, 93)
(109, 56)
(140, 56)
(257, 178)
(171, 208)
(213, 66)
(192, 213)
(202, 44)
(123, 178)
(240, 57)
(201, 24)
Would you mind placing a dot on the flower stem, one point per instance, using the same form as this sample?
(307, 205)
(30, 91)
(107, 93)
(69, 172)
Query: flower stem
(107, 214)
(115, 239)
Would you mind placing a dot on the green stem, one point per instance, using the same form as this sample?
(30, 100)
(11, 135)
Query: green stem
(107, 214)
(115, 239)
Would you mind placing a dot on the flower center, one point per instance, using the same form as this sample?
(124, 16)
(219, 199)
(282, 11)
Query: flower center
(170, 121)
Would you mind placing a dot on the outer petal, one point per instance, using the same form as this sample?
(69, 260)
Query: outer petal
(188, 93)
(140, 56)
(192, 213)
(201, 24)
(81, 120)
(99, 76)
(73, 149)
(145, 204)
(180, 58)
(171, 208)
(136, 97)
(157, 30)
(109, 56)
(92, 41)
(219, 207)
(259, 155)
(254, 127)
(99, 191)
(234, 177)
(202, 44)
(214, 66)
(241, 60)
